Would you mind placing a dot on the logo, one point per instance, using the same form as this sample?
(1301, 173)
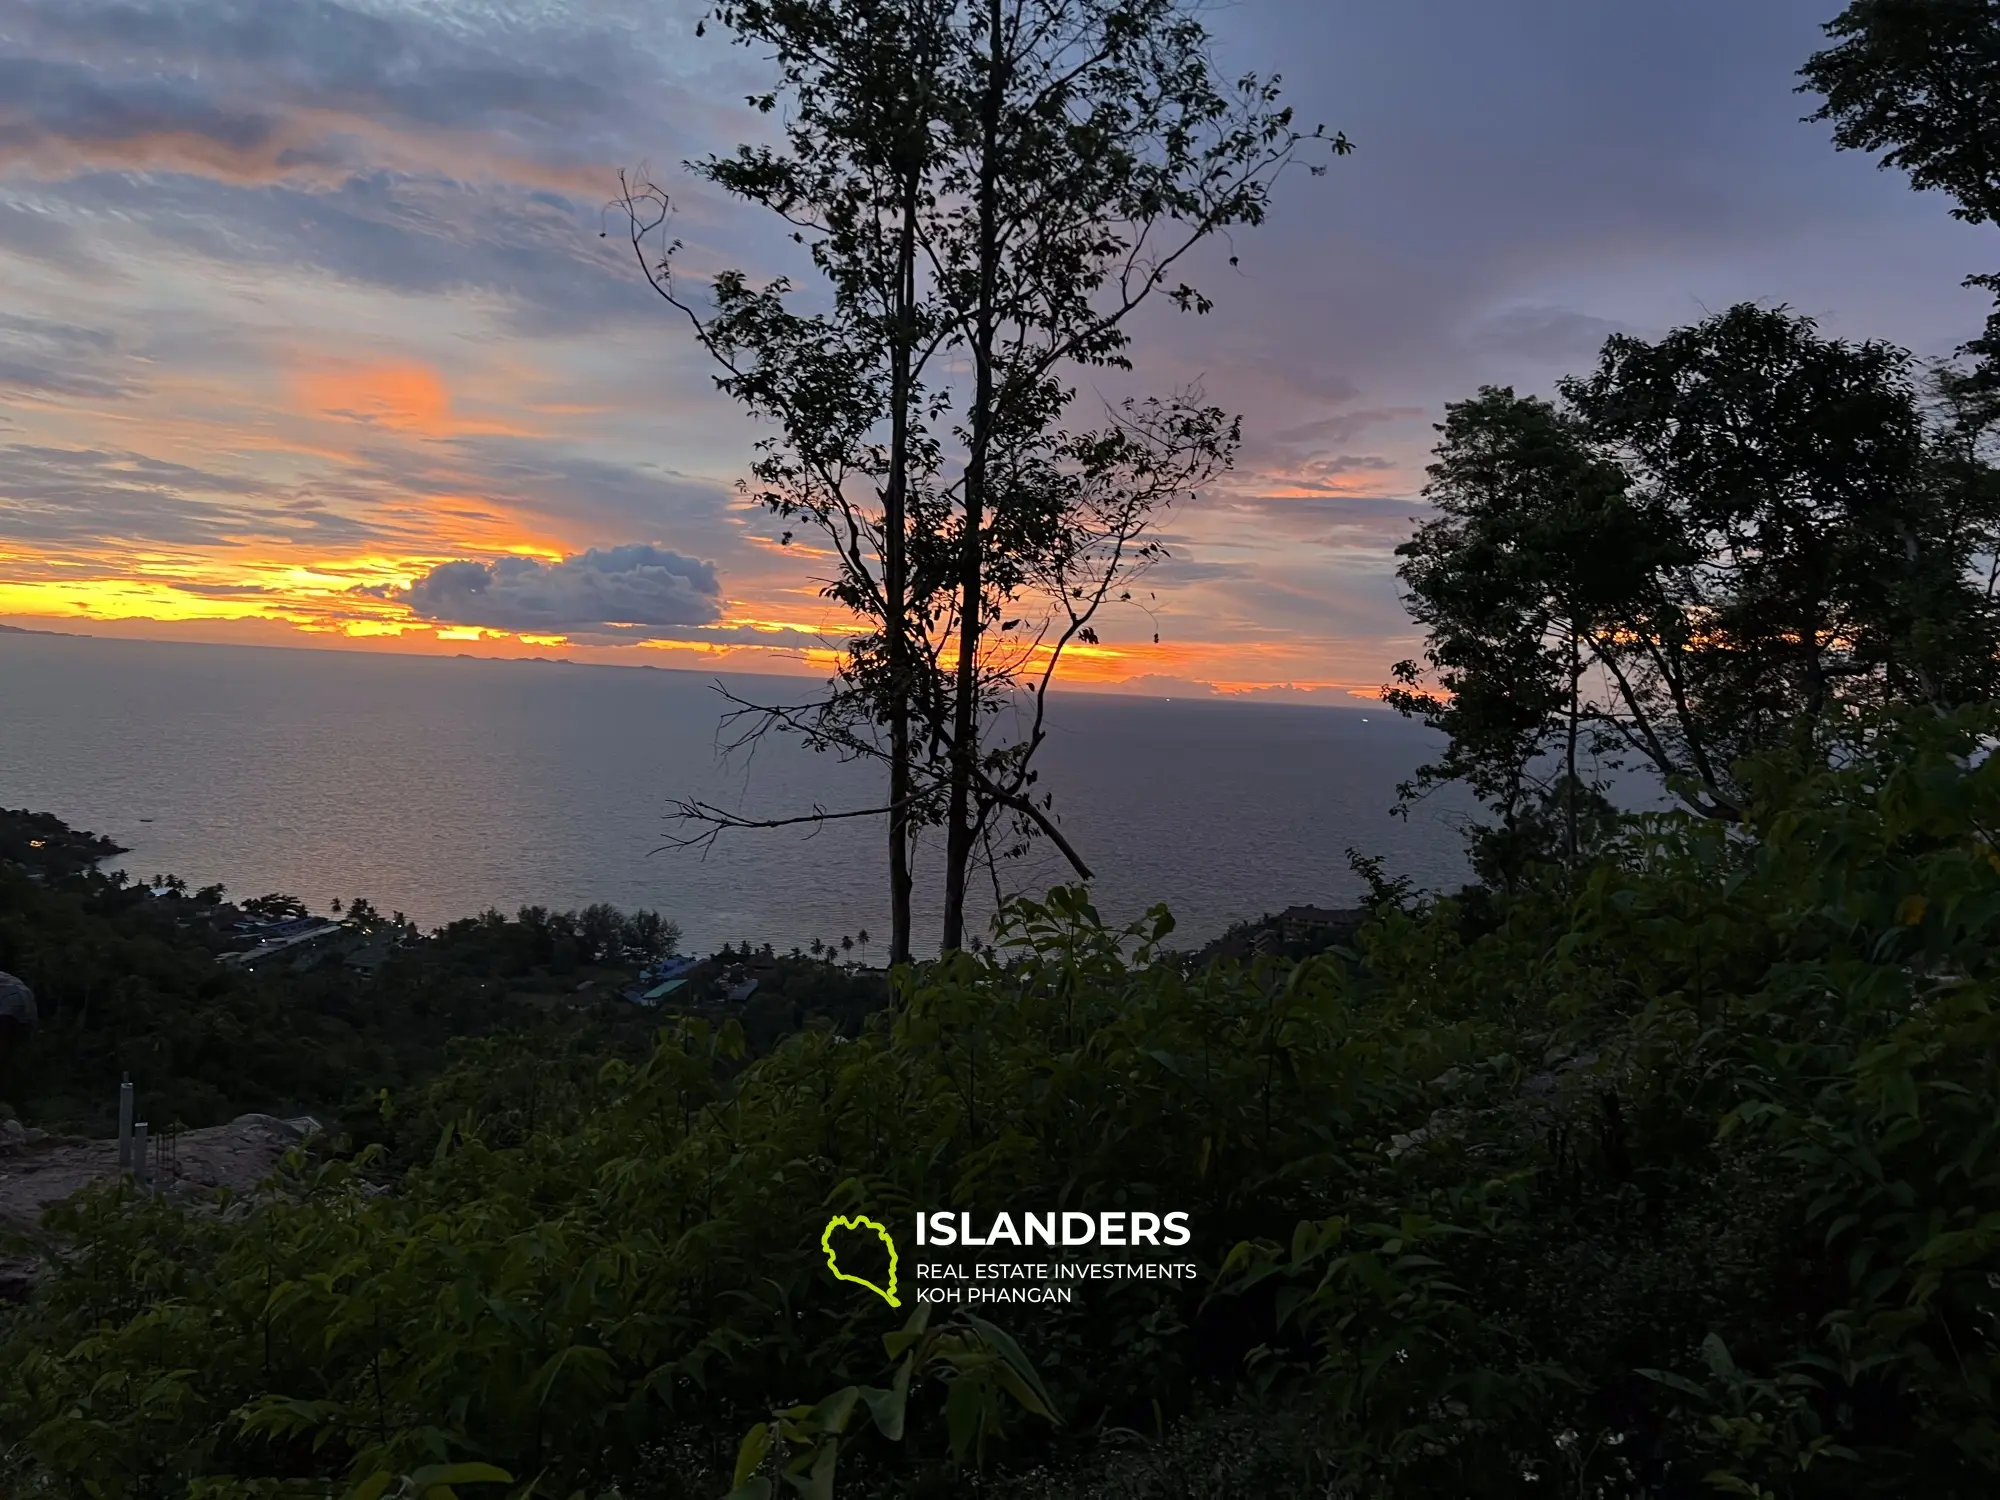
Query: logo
(841, 1221)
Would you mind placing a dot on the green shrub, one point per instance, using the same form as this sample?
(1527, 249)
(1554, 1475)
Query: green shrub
(1679, 1179)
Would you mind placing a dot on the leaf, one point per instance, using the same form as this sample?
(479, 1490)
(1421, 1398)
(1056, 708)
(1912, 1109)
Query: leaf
(1675, 1382)
(437, 1481)
(832, 1413)
(911, 1331)
(964, 1416)
(1016, 1362)
(889, 1409)
(817, 1482)
(750, 1455)
(1717, 1354)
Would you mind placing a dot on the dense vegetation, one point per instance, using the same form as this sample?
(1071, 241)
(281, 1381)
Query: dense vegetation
(1683, 1169)
(128, 982)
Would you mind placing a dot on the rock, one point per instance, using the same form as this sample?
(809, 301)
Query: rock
(13, 1135)
(270, 1126)
(17, 1003)
(37, 1170)
(17, 1278)
(17, 1017)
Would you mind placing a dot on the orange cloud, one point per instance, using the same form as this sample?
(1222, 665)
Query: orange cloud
(402, 395)
(307, 148)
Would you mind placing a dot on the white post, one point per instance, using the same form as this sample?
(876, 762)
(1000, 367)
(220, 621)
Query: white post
(139, 1151)
(125, 1124)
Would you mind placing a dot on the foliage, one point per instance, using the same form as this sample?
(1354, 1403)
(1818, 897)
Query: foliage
(1674, 1178)
(1919, 81)
(128, 981)
(986, 1374)
(1720, 544)
(1003, 187)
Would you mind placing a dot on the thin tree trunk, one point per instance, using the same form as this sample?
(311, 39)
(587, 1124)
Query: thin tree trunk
(895, 569)
(1569, 784)
(960, 830)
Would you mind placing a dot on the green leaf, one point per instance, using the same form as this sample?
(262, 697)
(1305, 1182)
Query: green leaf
(817, 1482)
(888, 1409)
(832, 1413)
(750, 1455)
(460, 1473)
(1017, 1372)
(964, 1416)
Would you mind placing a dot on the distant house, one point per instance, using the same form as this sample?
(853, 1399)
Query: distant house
(660, 992)
(289, 927)
(302, 932)
(668, 968)
(737, 994)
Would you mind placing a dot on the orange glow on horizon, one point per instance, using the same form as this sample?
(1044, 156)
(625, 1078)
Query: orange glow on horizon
(312, 601)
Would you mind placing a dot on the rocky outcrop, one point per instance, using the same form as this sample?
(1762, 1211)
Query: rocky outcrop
(17, 1017)
(37, 1170)
(17, 1003)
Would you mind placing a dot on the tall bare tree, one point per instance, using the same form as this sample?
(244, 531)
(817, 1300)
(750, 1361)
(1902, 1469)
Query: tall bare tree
(868, 113)
(989, 189)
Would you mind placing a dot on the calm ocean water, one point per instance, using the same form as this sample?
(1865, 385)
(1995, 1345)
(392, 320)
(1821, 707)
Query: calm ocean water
(439, 787)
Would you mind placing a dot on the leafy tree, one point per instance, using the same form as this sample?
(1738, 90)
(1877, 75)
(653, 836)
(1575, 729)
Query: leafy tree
(846, 386)
(1721, 543)
(650, 935)
(1919, 81)
(1001, 186)
(277, 907)
(1538, 539)
(600, 933)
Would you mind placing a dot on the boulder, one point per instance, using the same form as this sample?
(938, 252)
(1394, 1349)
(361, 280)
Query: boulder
(17, 1003)
(17, 1016)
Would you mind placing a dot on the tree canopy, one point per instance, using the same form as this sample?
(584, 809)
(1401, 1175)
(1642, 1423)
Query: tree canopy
(1722, 542)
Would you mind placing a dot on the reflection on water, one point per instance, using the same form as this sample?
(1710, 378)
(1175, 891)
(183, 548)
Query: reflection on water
(442, 786)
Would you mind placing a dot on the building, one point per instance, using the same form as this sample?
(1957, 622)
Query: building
(303, 933)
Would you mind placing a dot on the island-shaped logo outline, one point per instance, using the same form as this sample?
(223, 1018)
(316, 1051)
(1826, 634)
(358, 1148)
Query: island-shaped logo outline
(860, 1221)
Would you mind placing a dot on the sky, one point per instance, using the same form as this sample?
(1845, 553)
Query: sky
(308, 335)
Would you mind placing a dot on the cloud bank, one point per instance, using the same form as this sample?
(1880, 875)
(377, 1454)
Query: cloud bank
(609, 593)
(304, 296)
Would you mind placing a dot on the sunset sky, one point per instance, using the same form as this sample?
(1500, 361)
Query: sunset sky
(302, 298)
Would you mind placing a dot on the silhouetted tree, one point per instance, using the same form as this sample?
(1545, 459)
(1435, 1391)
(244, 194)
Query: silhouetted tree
(1001, 186)
(1720, 543)
(1919, 81)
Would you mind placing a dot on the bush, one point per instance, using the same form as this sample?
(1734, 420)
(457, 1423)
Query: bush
(1677, 1181)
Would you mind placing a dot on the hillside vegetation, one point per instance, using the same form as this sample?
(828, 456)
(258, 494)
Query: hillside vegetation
(1673, 1177)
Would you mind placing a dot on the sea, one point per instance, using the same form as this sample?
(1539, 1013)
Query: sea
(441, 786)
